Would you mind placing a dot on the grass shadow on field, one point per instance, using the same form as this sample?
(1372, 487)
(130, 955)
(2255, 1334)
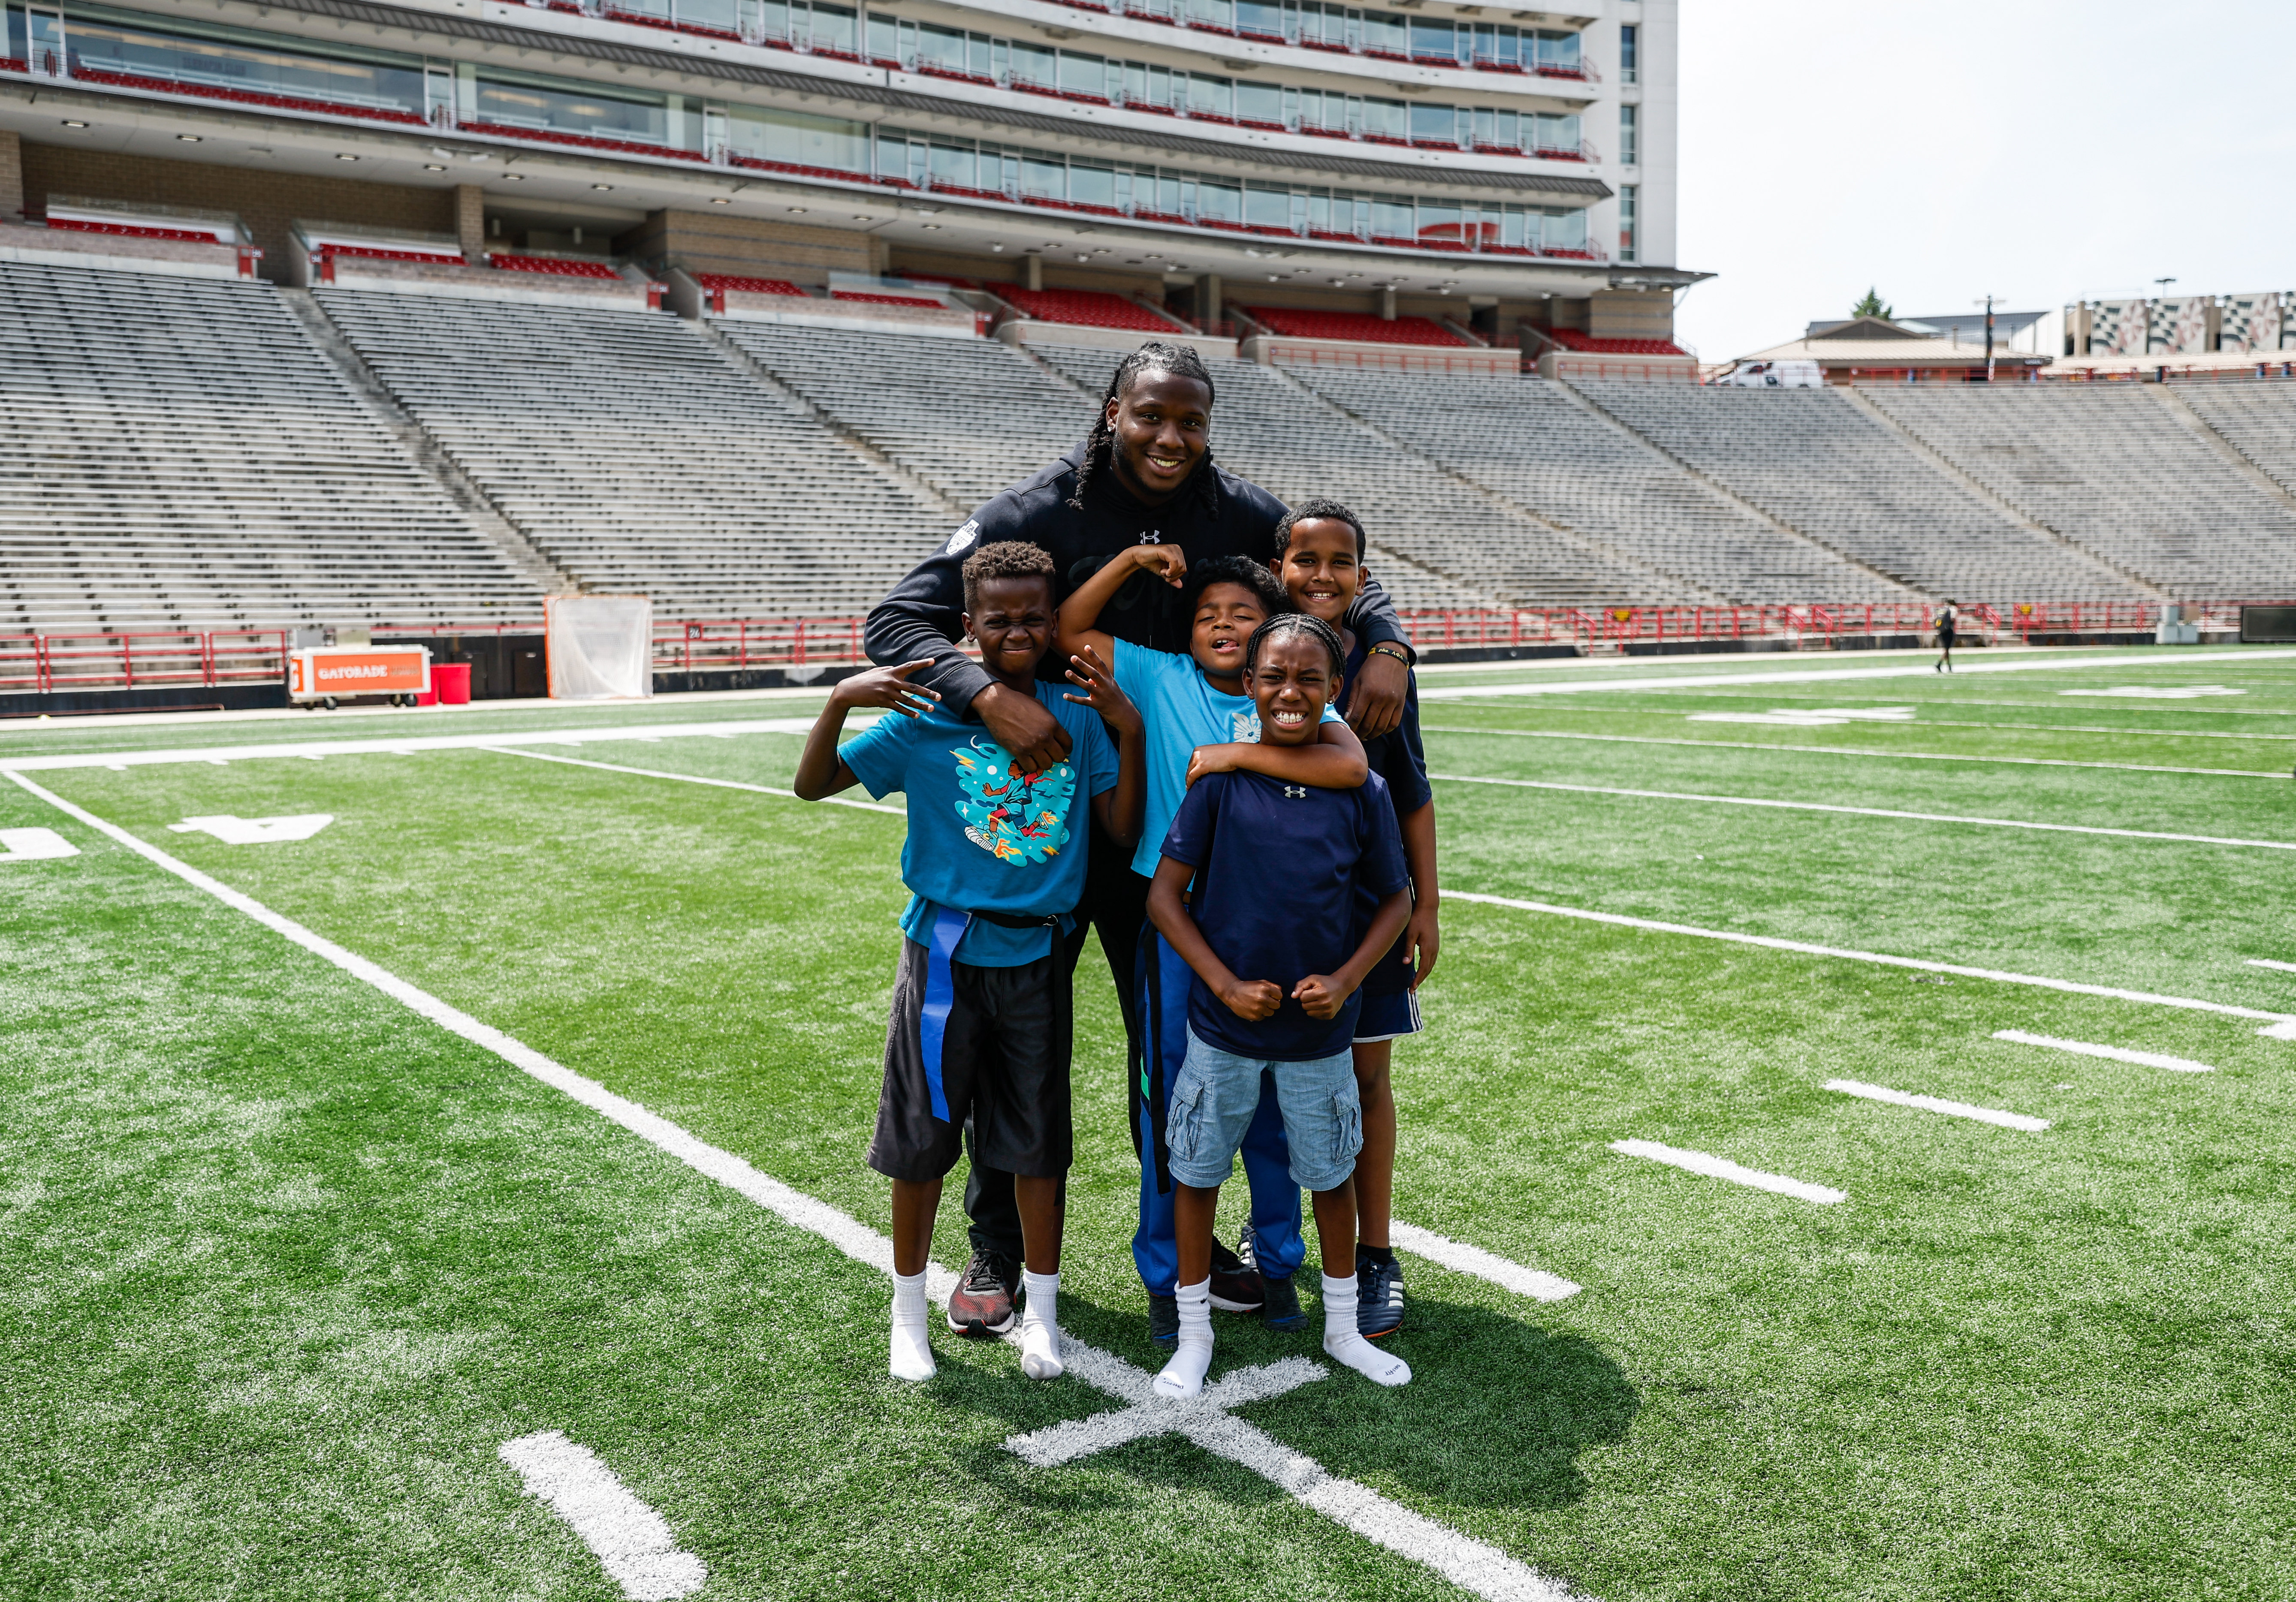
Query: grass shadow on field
(1497, 1414)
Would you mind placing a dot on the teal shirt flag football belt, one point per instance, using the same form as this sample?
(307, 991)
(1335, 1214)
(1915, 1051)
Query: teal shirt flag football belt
(949, 926)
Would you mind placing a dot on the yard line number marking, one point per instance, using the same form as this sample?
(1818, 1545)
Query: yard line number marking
(1936, 1104)
(1863, 812)
(1723, 1168)
(630, 1539)
(2082, 1048)
(1466, 1562)
(2281, 1025)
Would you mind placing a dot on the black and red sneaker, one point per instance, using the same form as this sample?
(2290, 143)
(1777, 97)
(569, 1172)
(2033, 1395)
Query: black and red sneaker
(1235, 1283)
(981, 1307)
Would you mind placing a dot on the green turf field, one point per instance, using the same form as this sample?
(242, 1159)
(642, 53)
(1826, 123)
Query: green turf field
(287, 1262)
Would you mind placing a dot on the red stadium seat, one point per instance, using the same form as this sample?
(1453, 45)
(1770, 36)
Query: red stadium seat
(1572, 340)
(1089, 308)
(553, 265)
(1297, 325)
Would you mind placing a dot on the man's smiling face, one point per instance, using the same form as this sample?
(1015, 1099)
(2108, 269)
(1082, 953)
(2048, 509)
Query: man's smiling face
(1162, 427)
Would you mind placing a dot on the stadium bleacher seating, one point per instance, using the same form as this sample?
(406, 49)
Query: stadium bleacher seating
(176, 453)
(1091, 308)
(2106, 465)
(1296, 445)
(1293, 323)
(641, 458)
(871, 298)
(970, 416)
(2258, 420)
(1815, 461)
(1529, 440)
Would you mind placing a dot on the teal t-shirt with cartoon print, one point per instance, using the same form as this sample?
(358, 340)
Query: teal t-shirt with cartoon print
(981, 837)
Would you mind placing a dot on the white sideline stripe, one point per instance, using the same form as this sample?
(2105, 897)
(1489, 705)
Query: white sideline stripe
(1756, 745)
(2279, 1020)
(1866, 812)
(1723, 1168)
(314, 750)
(630, 1539)
(1821, 675)
(1937, 1104)
(1466, 1562)
(1462, 1258)
(2149, 1059)
(723, 784)
(2286, 968)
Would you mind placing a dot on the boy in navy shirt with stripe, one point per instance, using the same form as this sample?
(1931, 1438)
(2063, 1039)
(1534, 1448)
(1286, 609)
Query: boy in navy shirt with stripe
(995, 862)
(1256, 889)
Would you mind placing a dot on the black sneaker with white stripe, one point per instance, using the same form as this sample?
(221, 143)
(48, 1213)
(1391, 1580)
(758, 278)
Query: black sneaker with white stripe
(1379, 1294)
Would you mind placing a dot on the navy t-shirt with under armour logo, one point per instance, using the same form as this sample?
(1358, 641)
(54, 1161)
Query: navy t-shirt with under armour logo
(1277, 869)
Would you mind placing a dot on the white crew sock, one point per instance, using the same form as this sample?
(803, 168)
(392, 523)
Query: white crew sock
(1184, 1376)
(1345, 1342)
(912, 1354)
(1040, 1325)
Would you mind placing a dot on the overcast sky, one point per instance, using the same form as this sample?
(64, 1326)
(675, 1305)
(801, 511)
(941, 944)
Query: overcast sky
(2044, 150)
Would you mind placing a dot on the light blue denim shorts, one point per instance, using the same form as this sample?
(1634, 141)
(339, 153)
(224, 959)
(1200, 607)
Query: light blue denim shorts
(1217, 1093)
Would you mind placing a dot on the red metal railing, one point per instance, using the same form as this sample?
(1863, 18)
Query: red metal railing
(46, 662)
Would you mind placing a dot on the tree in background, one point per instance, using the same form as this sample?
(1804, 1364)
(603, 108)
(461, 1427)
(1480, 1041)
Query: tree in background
(1872, 306)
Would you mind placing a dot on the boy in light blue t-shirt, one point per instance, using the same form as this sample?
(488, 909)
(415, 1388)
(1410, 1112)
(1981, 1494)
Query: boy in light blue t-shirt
(995, 862)
(1199, 720)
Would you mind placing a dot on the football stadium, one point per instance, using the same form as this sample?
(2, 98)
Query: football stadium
(464, 468)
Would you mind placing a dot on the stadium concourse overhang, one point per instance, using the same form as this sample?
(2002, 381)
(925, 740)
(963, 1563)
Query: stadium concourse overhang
(535, 187)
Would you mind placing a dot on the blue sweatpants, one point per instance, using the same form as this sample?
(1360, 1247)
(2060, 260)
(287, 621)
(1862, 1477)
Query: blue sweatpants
(1161, 989)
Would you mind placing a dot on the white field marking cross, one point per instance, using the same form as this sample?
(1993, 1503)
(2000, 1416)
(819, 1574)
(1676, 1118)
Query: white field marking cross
(255, 832)
(1154, 1414)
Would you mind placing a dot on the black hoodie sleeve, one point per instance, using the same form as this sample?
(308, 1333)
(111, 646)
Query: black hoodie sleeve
(923, 617)
(1373, 618)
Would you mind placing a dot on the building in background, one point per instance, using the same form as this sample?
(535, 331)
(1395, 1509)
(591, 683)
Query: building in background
(1481, 169)
(2174, 333)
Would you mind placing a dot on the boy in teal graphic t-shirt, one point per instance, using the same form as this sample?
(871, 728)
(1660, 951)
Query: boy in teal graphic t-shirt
(994, 863)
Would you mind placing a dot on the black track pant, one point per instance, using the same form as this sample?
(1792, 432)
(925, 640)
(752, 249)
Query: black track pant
(1116, 903)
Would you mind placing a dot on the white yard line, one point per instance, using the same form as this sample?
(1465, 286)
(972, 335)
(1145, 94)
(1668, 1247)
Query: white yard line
(1909, 670)
(1723, 1168)
(1863, 812)
(723, 784)
(1756, 745)
(2081, 1048)
(1537, 1284)
(1470, 1564)
(1937, 1104)
(630, 1539)
(403, 745)
(2282, 1024)
(2286, 968)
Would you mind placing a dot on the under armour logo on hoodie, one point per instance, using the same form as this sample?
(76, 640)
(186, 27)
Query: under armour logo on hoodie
(1298, 792)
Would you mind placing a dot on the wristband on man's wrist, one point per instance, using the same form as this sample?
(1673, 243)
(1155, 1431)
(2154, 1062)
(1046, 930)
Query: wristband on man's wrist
(1389, 648)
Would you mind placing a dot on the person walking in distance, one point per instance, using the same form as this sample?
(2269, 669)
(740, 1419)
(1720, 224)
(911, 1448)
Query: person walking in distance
(1948, 622)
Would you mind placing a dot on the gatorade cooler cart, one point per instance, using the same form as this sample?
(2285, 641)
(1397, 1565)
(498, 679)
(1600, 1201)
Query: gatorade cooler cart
(328, 675)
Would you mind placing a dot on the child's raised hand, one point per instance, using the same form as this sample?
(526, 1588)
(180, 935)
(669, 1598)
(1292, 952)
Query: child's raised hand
(887, 687)
(1320, 995)
(1101, 694)
(1253, 1000)
(1167, 562)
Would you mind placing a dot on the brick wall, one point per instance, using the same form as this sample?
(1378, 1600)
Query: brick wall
(268, 202)
(12, 175)
(1631, 314)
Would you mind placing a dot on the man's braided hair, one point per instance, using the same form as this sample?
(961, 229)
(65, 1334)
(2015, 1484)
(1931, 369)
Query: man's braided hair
(1181, 361)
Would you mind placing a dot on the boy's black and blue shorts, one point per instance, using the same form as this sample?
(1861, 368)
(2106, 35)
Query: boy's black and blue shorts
(1005, 1038)
(1390, 1007)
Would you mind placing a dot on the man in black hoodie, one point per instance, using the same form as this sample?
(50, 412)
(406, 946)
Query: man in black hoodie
(1144, 475)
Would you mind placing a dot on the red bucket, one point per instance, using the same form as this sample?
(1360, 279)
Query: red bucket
(450, 682)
